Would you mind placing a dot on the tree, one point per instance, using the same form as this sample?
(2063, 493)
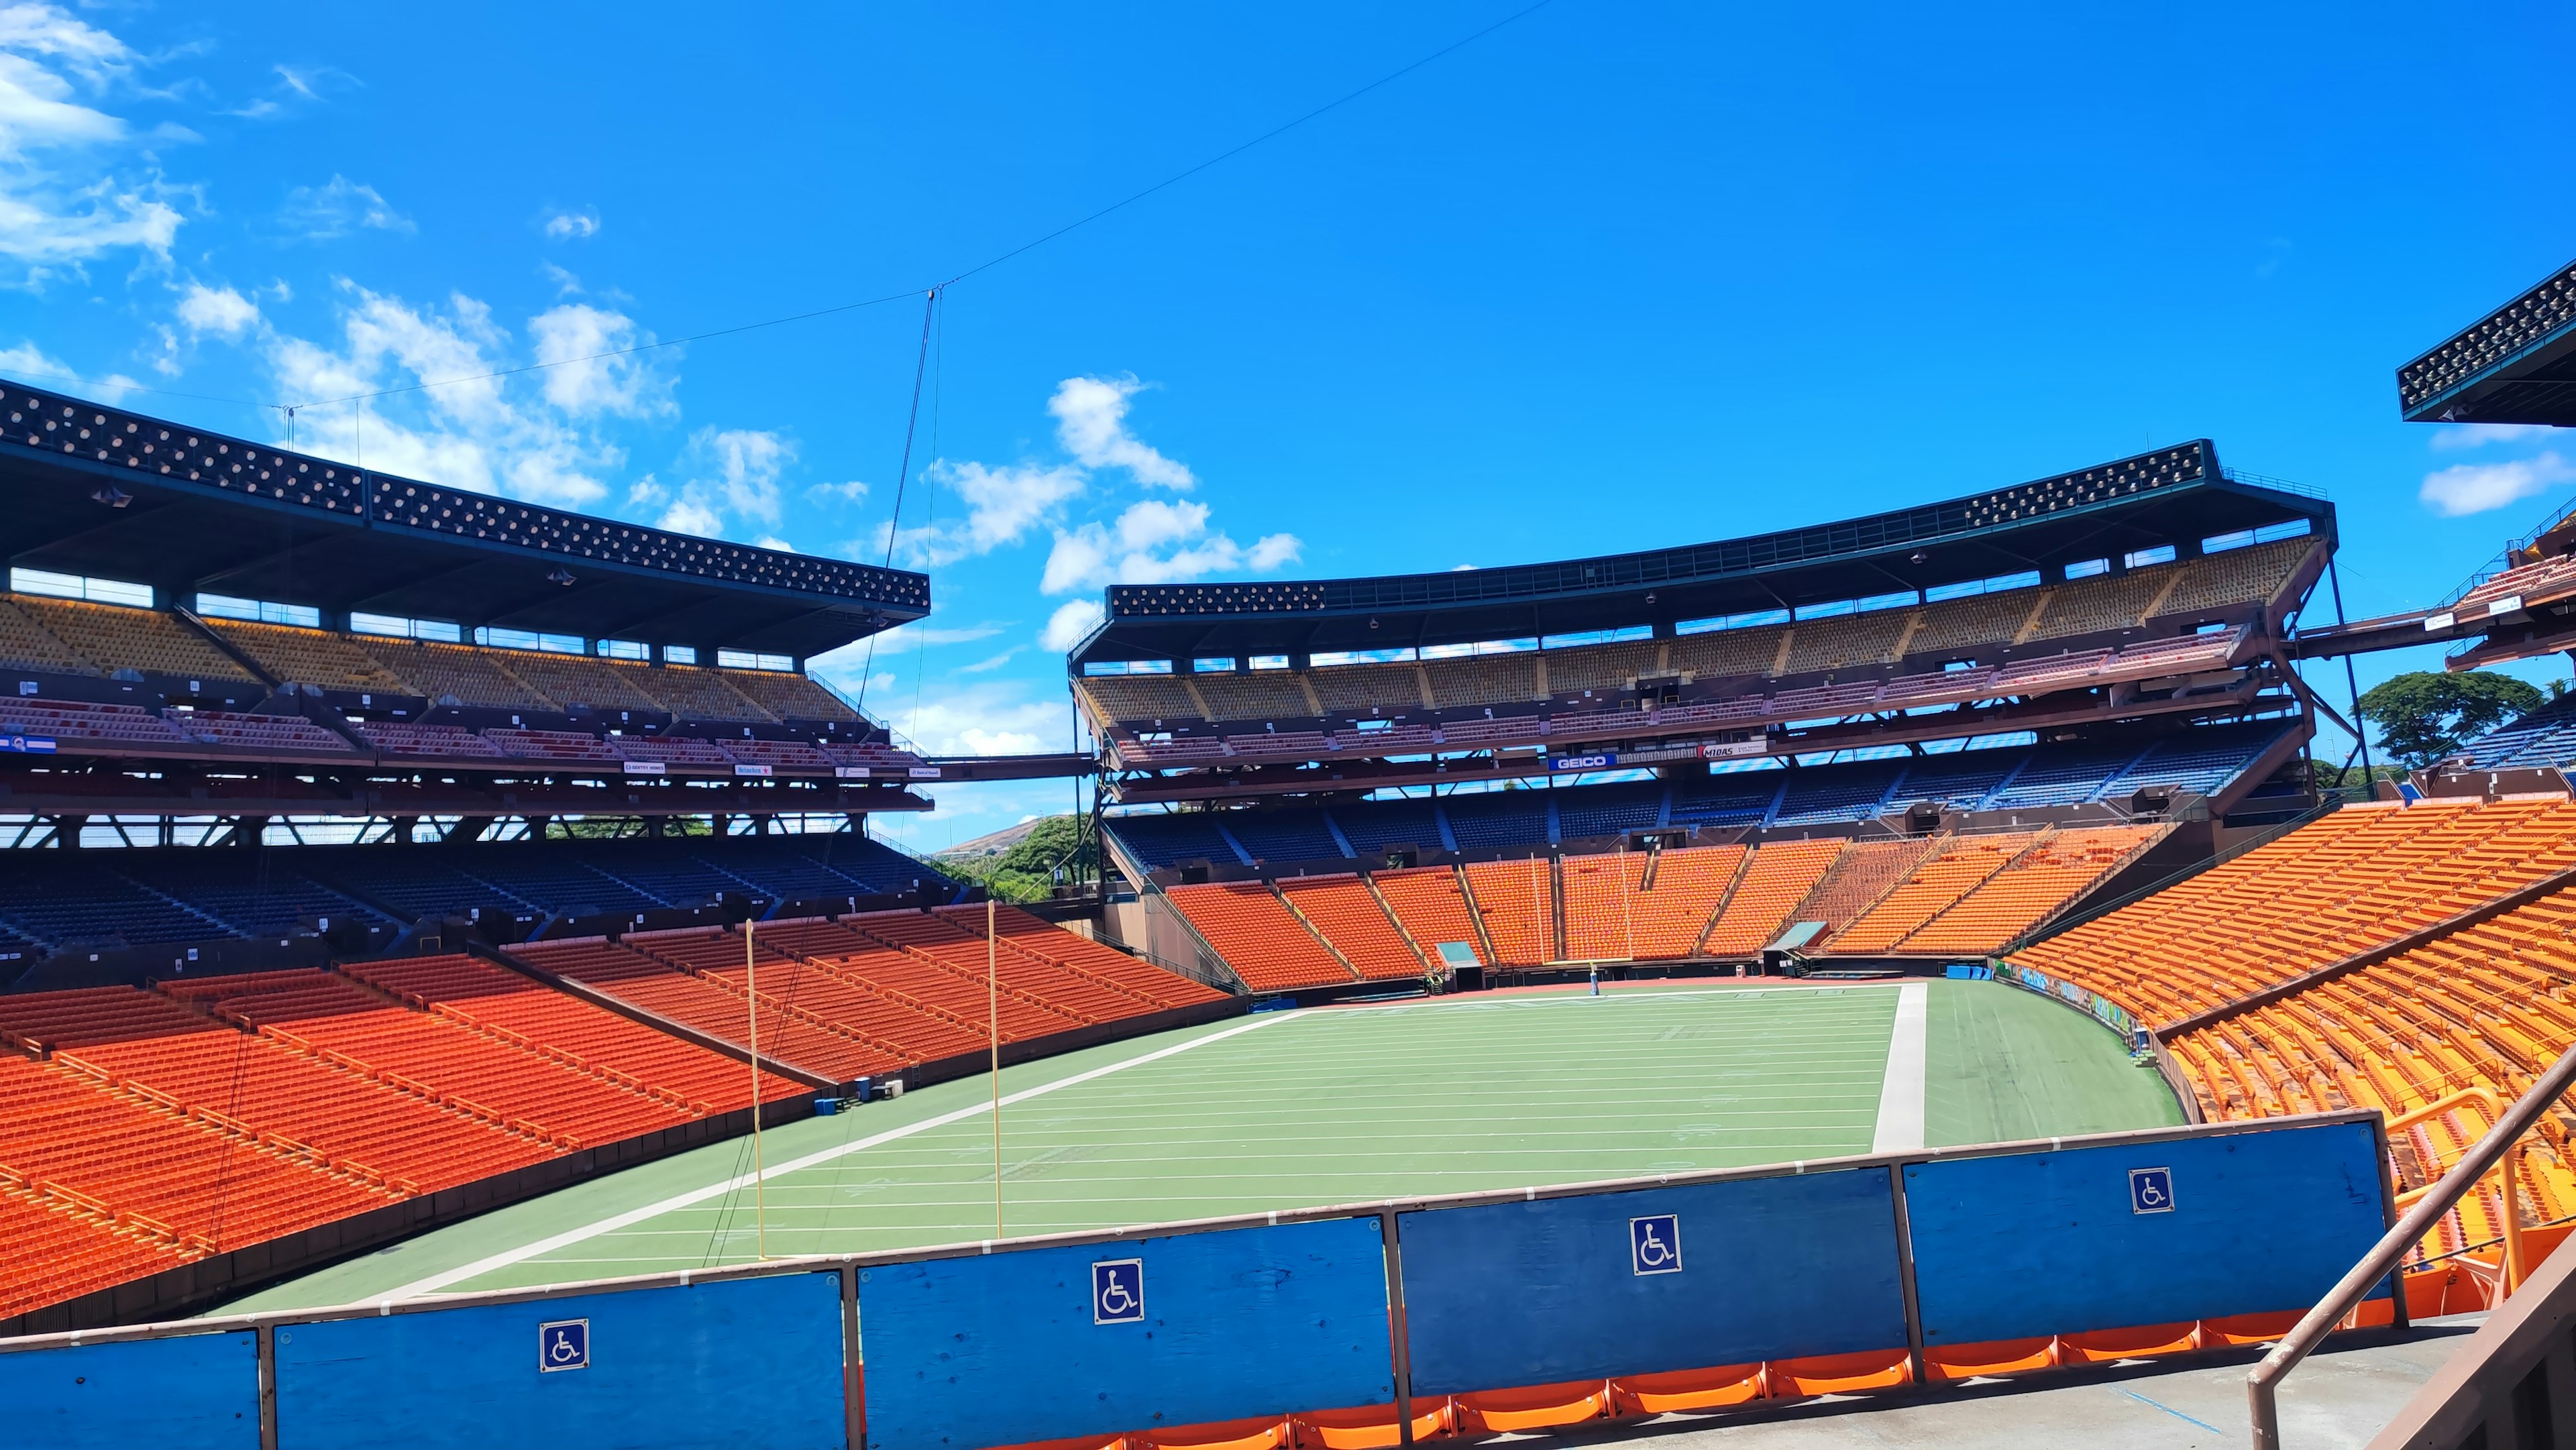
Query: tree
(1026, 871)
(2424, 716)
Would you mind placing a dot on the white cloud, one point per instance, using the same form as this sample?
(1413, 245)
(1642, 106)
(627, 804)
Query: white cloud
(575, 226)
(772, 541)
(1002, 506)
(516, 436)
(1071, 621)
(850, 492)
(29, 361)
(1155, 542)
(737, 472)
(218, 310)
(1091, 422)
(693, 516)
(336, 209)
(2479, 435)
(994, 663)
(2474, 488)
(596, 368)
(62, 200)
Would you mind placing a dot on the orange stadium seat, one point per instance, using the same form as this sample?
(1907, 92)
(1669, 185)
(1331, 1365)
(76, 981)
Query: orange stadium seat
(1081, 955)
(1346, 912)
(2031, 889)
(801, 1021)
(1517, 905)
(1432, 907)
(1957, 866)
(1256, 934)
(1766, 897)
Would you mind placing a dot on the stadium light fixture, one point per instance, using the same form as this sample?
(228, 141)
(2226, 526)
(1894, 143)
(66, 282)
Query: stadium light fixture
(560, 576)
(110, 495)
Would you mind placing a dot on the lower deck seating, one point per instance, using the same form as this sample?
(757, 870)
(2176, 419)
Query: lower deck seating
(1040, 983)
(1345, 912)
(1862, 873)
(1516, 901)
(1432, 907)
(2436, 1036)
(1148, 984)
(1954, 869)
(1253, 930)
(526, 1090)
(1765, 899)
(317, 1112)
(2034, 887)
(792, 1027)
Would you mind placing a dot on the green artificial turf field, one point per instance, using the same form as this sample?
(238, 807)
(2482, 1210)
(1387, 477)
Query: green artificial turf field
(1330, 1105)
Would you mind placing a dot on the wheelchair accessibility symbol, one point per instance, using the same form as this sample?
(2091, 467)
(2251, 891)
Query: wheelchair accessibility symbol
(1655, 1244)
(1118, 1291)
(564, 1344)
(2151, 1190)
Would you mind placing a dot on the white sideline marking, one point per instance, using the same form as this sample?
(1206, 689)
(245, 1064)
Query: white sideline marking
(569, 1237)
(1900, 1099)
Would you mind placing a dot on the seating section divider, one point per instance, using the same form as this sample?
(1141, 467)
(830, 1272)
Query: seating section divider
(1478, 1313)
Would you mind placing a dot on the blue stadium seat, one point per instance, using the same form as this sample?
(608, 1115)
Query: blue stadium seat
(1498, 818)
(1738, 798)
(1376, 825)
(2064, 775)
(1848, 792)
(1962, 779)
(1160, 841)
(1608, 810)
(1292, 835)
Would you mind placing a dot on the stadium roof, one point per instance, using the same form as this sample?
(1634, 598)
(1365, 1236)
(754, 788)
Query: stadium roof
(103, 492)
(2175, 496)
(2517, 365)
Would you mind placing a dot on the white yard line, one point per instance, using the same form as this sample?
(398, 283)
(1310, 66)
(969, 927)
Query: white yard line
(436, 1282)
(1900, 1100)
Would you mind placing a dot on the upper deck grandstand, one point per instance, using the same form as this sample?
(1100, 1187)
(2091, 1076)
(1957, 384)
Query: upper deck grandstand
(1977, 711)
(212, 642)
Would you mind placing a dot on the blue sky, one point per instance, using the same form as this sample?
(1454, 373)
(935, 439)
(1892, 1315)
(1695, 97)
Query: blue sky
(1613, 276)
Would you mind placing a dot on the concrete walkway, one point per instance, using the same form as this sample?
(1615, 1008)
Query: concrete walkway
(2335, 1401)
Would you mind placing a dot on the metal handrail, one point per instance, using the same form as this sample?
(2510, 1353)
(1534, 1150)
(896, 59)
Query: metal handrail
(2262, 1385)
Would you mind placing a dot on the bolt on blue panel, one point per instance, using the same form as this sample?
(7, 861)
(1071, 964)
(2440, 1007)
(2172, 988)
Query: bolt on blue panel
(1652, 1279)
(2106, 1238)
(192, 1391)
(734, 1362)
(1041, 1344)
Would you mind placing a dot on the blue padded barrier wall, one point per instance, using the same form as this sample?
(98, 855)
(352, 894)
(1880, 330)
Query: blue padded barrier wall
(2108, 1238)
(1583, 1288)
(183, 1393)
(1048, 1343)
(736, 1362)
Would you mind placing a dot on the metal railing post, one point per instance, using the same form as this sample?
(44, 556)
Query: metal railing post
(1905, 1274)
(2262, 1386)
(1395, 1327)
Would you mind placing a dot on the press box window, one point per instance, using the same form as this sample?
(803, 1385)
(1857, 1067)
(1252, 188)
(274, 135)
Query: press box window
(679, 654)
(737, 659)
(225, 606)
(75, 586)
(625, 649)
